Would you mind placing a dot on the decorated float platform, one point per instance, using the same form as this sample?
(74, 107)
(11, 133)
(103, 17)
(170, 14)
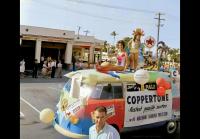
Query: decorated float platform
(73, 117)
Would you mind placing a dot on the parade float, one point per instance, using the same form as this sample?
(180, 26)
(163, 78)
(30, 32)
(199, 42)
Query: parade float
(133, 100)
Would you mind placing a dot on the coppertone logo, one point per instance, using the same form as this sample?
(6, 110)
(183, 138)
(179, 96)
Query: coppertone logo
(137, 87)
(150, 86)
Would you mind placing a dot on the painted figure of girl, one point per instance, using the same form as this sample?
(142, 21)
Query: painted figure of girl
(136, 49)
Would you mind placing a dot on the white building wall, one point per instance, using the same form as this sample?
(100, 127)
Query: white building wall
(40, 34)
(91, 59)
(82, 52)
(84, 38)
(41, 31)
(68, 53)
(38, 50)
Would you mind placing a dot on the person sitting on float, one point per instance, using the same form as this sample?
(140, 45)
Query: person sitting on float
(122, 59)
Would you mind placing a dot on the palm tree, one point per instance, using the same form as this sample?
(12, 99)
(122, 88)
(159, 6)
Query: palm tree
(174, 54)
(113, 34)
(126, 40)
(105, 46)
(163, 50)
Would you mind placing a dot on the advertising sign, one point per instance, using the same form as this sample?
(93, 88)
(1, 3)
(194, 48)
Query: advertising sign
(74, 107)
(145, 107)
(110, 111)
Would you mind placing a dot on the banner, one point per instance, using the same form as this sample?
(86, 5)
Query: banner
(145, 107)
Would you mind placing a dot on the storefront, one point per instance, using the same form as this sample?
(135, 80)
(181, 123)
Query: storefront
(27, 52)
(97, 55)
(57, 44)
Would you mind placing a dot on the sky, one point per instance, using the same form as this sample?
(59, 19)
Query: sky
(101, 17)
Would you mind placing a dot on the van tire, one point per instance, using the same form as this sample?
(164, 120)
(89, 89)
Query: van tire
(170, 128)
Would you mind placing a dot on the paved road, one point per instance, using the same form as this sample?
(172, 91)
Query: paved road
(44, 93)
(40, 96)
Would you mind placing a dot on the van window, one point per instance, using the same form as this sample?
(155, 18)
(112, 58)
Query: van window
(95, 94)
(118, 92)
(107, 92)
(112, 91)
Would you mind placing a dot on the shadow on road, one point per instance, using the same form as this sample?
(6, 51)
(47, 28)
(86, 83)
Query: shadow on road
(154, 133)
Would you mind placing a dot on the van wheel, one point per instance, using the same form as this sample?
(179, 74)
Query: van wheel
(115, 126)
(170, 128)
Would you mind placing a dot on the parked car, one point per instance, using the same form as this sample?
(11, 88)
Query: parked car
(129, 105)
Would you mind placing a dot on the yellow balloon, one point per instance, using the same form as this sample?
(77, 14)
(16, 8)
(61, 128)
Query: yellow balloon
(46, 115)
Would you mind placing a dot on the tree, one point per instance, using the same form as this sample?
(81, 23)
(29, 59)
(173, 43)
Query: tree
(126, 40)
(113, 34)
(163, 50)
(105, 46)
(174, 54)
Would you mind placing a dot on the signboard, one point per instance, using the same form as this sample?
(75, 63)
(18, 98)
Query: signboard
(74, 107)
(149, 41)
(146, 107)
(110, 111)
(137, 87)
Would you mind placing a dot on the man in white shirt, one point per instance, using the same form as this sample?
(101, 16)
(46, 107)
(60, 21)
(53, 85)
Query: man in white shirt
(22, 68)
(102, 130)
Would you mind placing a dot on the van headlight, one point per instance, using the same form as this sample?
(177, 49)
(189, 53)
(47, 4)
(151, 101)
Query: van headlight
(73, 119)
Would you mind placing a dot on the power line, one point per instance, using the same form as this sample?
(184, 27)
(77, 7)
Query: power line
(111, 6)
(96, 16)
(118, 7)
(83, 13)
(78, 12)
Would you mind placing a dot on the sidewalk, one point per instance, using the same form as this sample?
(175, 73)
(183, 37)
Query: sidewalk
(40, 79)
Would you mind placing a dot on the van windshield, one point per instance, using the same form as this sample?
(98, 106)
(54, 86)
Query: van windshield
(108, 91)
(67, 86)
(86, 90)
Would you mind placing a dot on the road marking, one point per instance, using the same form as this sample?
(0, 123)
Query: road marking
(29, 104)
(21, 115)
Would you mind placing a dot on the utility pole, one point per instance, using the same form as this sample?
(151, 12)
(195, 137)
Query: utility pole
(158, 25)
(78, 32)
(86, 32)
